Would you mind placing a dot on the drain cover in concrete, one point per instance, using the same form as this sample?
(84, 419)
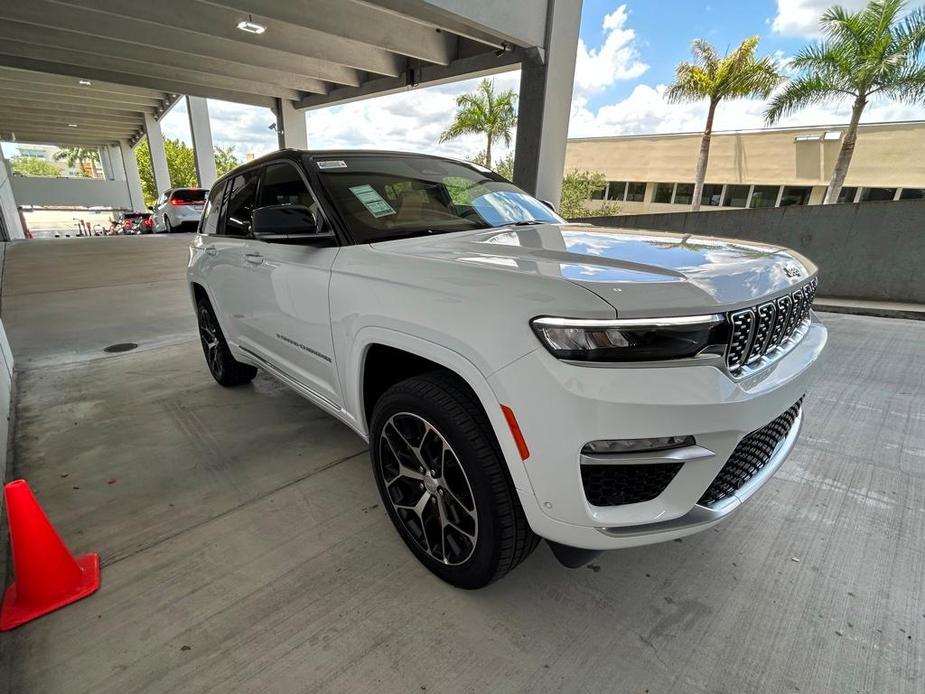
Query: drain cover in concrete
(121, 347)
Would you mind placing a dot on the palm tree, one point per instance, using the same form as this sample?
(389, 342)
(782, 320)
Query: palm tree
(484, 112)
(862, 54)
(78, 155)
(735, 75)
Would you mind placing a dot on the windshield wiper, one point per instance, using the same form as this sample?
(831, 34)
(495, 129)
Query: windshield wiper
(529, 222)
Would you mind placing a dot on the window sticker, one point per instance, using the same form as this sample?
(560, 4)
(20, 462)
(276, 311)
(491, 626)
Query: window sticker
(372, 201)
(332, 164)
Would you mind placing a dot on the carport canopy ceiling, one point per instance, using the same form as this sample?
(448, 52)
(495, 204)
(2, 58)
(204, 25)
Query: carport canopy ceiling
(100, 65)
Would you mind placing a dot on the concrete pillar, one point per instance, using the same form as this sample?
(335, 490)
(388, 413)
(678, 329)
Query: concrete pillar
(545, 103)
(158, 154)
(131, 177)
(291, 130)
(9, 214)
(106, 163)
(198, 110)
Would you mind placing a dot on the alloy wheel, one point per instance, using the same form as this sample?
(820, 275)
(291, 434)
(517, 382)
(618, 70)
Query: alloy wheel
(208, 333)
(428, 488)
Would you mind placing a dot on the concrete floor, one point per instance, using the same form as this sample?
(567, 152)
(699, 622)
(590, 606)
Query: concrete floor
(244, 547)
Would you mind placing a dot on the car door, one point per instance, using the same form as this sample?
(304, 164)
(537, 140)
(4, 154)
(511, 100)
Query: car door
(288, 313)
(228, 272)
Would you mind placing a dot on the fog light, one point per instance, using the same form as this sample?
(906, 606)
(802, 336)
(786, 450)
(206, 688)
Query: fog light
(661, 443)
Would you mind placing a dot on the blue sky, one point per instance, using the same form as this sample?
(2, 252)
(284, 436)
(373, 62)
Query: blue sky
(627, 54)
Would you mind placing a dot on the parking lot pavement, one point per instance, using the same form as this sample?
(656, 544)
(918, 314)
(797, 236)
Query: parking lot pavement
(244, 549)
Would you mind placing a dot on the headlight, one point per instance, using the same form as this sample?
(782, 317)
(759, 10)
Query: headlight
(630, 339)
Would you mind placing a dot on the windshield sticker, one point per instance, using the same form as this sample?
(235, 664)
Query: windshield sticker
(372, 201)
(332, 164)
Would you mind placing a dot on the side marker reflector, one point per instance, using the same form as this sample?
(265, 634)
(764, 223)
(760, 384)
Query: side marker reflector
(515, 432)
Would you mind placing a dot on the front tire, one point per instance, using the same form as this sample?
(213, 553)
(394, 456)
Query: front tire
(167, 228)
(225, 369)
(444, 483)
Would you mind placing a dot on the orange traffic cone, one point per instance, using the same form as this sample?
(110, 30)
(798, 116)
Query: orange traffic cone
(46, 576)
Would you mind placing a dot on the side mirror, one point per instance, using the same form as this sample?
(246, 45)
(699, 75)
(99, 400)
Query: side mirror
(549, 205)
(285, 223)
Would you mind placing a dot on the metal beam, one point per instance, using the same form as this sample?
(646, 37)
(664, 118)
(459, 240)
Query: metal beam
(115, 74)
(51, 94)
(42, 105)
(107, 135)
(129, 51)
(429, 75)
(52, 116)
(30, 78)
(204, 29)
(357, 22)
(67, 48)
(58, 141)
(521, 23)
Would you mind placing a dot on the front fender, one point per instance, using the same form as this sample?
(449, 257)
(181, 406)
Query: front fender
(353, 367)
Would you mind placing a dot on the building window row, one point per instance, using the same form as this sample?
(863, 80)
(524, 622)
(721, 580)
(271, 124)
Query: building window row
(752, 196)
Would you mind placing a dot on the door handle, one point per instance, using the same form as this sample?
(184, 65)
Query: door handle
(253, 258)
(211, 250)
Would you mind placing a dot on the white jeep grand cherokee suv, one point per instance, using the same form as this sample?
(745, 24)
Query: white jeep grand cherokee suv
(517, 377)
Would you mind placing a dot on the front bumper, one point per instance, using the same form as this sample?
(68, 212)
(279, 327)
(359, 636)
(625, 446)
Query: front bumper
(560, 407)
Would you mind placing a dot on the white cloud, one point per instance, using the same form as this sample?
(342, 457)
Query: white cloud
(244, 127)
(617, 59)
(646, 110)
(801, 17)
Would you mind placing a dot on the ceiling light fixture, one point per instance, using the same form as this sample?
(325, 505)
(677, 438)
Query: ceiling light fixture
(72, 125)
(84, 83)
(250, 26)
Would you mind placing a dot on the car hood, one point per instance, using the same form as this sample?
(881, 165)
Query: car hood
(639, 273)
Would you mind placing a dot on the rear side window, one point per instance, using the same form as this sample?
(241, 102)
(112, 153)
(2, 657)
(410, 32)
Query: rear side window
(189, 195)
(240, 205)
(211, 214)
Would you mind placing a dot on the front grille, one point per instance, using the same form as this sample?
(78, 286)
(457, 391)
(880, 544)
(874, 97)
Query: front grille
(749, 457)
(759, 331)
(616, 485)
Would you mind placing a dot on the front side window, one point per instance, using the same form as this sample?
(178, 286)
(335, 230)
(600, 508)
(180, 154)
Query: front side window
(282, 184)
(387, 197)
(240, 204)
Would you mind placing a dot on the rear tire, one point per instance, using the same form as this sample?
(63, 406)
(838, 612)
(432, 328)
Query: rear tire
(225, 369)
(461, 516)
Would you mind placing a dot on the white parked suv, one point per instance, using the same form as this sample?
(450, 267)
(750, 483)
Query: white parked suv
(178, 207)
(517, 377)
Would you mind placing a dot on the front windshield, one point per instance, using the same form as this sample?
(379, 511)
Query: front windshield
(383, 197)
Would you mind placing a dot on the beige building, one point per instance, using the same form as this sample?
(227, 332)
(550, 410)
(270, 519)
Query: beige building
(754, 168)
